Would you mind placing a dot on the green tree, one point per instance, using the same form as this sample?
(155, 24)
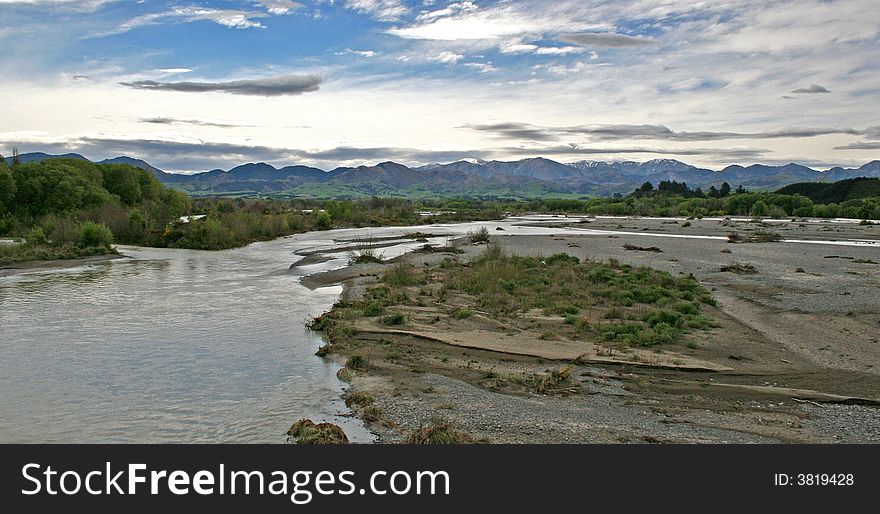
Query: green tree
(7, 187)
(93, 234)
(323, 221)
(123, 181)
(759, 209)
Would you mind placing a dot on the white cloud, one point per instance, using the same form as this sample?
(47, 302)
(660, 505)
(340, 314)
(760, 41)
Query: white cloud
(361, 53)
(234, 19)
(228, 18)
(759, 51)
(447, 57)
(449, 10)
(482, 67)
(279, 7)
(174, 70)
(560, 50)
(85, 5)
(382, 10)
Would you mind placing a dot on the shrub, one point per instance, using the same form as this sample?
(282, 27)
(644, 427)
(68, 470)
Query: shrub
(463, 313)
(655, 317)
(356, 362)
(394, 319)
(562, 258)
(686, 308)
(401, 274)
(480, 236)
(35, 236)
(92, 234)
(373, 309)
(323, 221)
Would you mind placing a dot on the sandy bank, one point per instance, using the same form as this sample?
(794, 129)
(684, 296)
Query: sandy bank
(801, 333)
(31, 266)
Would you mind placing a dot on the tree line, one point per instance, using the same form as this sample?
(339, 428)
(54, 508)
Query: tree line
(64, 208)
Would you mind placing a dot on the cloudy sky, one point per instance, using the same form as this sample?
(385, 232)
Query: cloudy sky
(195, 85)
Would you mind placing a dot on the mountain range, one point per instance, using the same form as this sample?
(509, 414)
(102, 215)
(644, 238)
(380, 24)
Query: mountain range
(524, 178)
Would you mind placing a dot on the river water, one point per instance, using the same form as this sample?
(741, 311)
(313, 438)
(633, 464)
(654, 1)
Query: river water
(180, 345)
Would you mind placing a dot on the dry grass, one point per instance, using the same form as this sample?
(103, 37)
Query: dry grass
(438, 431)
(305, 431)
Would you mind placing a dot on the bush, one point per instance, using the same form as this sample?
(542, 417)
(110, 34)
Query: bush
(463, 313)
(480, 236)
(92, 234)
(35, 236)
(394, 319)
(323, 221)
(356, 362)
(373, 309)
(401, 274)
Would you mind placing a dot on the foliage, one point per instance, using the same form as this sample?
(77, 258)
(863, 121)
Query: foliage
(508, 285)
(95, 235)
(323, 221)
(480, 236)
(836, 192)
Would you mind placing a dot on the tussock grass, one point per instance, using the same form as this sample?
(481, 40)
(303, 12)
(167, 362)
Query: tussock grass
(401, 274)
(462, 313)
(305, 431)
(438, 431)
(481, 236)
(643, 306)
(394, 319)
(635, 248)
(739, 268)
(356, 362)
(359, 399)
(757, 237)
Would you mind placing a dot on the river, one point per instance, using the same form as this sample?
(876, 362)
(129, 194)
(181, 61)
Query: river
(184, 346)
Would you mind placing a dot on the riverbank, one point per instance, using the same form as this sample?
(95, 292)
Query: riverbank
(30, 266)
(794, 354)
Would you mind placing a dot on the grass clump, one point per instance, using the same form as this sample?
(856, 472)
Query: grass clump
(462, 313)
(480, 236)
(356, 362)
(371, 414)
(757, 237)
(548, 335)
(394, 319)
(305, 431)
(401, 274)
(739, 268)
(373, 309)
(635, 248)
(359, 399)
(553, 382)
(438, 431)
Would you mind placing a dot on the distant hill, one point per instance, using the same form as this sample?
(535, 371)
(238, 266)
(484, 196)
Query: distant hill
(39, 156)
(525, 178)
(836, 192)
(137, 163)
